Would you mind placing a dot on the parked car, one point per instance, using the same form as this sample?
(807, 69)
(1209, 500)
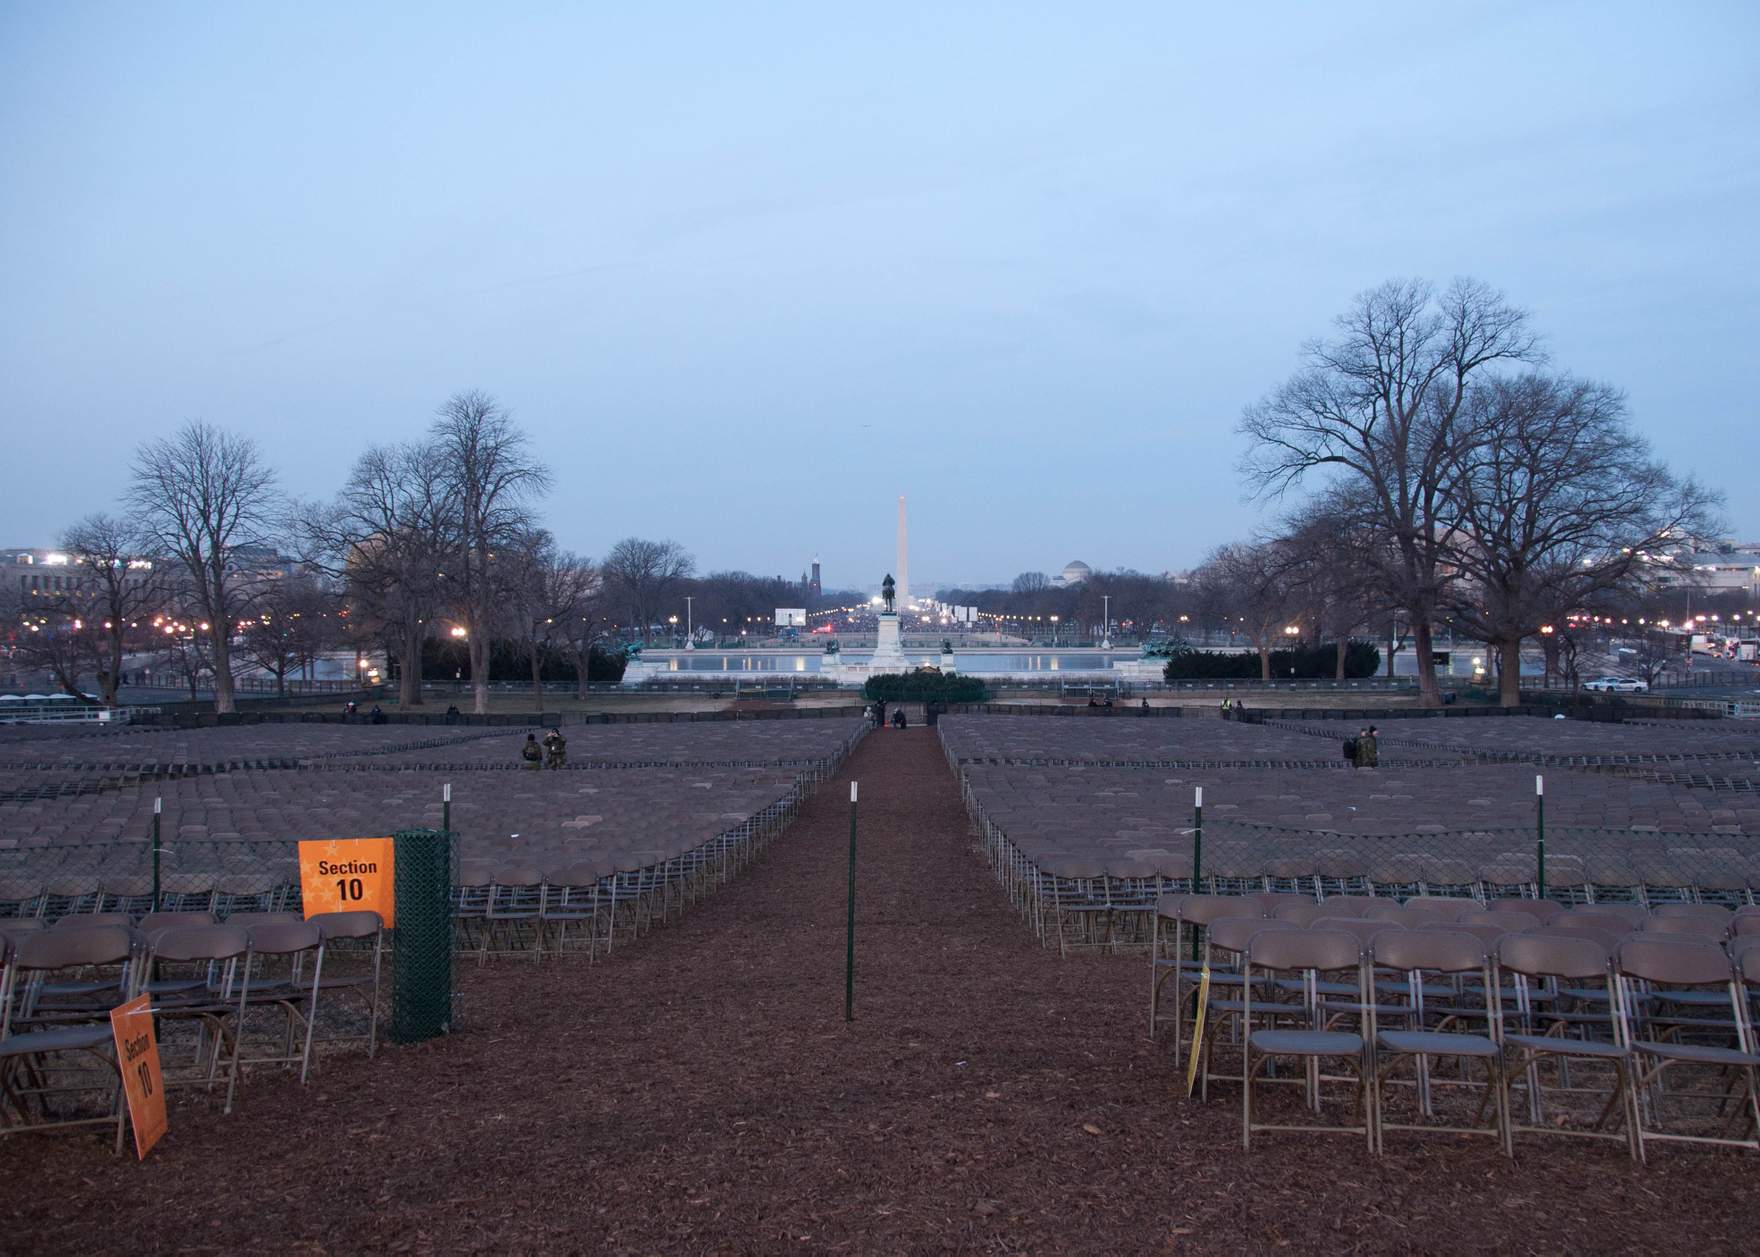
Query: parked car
(1617, 685)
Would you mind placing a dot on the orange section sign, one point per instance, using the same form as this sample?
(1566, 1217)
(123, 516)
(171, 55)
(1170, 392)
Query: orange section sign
(348, 875)
(137, 1057)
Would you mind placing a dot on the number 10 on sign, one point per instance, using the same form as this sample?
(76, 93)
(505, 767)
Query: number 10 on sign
(348, 875)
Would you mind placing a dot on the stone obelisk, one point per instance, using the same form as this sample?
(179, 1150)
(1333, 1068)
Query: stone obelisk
(904, 565)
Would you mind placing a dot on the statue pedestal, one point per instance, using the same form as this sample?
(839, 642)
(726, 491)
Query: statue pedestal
(888, 652)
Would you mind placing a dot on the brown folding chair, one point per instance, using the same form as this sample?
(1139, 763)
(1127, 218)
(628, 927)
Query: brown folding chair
(1423, 954)
(1581, 1029)
(360, 935)
(30, 1044)
(1664, 967)
(1308, 952)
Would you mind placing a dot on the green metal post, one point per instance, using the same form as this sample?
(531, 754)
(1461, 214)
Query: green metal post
(849, 945)
(1540, 828)
(1197, 854)
(446, 807)
(158, 807)
(421, 980)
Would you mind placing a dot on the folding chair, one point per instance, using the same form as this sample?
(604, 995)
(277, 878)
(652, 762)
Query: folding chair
(1657, 965)
(1582, 1030)
(1308, 952)
(362, 935)
(27, 1052)
(1447, 954)
(221, 957)
(293, 944)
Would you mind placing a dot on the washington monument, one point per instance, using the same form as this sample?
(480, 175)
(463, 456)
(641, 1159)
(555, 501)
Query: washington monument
(904, 564)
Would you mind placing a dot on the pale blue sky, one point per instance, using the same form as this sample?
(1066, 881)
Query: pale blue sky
(751, 271)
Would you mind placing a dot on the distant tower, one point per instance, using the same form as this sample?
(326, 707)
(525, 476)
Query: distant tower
(816, 587)
(904, 565)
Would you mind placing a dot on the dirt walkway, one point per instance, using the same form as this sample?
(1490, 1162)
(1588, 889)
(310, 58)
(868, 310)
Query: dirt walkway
(701, 1092)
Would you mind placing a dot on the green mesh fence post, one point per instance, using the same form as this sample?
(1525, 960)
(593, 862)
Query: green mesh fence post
(1540, 830)
(421, 983)
(158, 807)
(446, 807)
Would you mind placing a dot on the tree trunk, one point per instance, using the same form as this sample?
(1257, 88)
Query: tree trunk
(1390, 651)
(581, 661)
(1429, 693)
(1338, 664)
(110, 680)
(1264, 662)
(409, 679)
(1509, 690)
(281, 682)
(223, 701)
(479, 657)
(537, 675)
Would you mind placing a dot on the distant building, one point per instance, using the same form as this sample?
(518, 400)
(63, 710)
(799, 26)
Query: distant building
(40, 573)
(1715, 568)
(1075, 572)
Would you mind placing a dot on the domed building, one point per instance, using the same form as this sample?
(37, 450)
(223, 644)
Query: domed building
(1074, 573)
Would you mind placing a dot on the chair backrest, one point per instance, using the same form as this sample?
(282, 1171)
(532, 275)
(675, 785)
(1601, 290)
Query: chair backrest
(1489, 935)
(356, 924)
(22, 925)
(1673, 960)
(1441, 909)
(89, 921)
(1605, 939)
(1271, 901)
(1274, 948)
(1350, 905)
(1747, 960)
(252, 919)
(201, 942)
(1203, 909)
(1442, 951)
(1384, 910)
(64, 949)
(1232, 933)
(153, 922)
(1692, 927)
(1543, 955)
(278, 938)
(1608, 916)
(1540, 909)
(1509, 920)
(1361, 928)
(1697, 911)
(1299, 913)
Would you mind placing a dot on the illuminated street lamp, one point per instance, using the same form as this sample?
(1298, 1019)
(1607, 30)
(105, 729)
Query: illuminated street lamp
(1053, 631)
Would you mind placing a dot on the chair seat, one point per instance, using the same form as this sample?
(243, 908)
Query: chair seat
(1695, 1053)
(1696, 999)
(1321, 988)
(1307, 1043)
(1556, 1046)
(60, 1039)
(1435, 1043)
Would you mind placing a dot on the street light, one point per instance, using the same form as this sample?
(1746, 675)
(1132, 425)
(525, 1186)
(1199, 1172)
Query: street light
(689, 633)
(1106, 634)
(1054, 631)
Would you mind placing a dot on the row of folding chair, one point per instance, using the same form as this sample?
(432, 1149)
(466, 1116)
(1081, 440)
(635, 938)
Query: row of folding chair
(212, 986)
(1639, 1028)
(222, 894)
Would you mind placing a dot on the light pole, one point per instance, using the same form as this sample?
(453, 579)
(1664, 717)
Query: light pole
(1054, 632)
(1106, 633)
(690, 642)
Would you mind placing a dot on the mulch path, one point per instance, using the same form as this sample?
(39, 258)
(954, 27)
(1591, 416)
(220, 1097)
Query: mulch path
(700, 1091)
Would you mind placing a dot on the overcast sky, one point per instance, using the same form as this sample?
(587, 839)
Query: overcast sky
(749, 272)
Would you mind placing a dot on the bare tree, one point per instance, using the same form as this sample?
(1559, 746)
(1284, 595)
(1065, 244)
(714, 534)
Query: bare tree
(1253, 582)
(1332, 572)
(292, 627)
(549, 593)
(1030, 583)
(491, 480)
(580, 631)
(389, 536)
(645, 572)
(1556, 502)
(200, 495)
(120, 587)
(1380, 406)
(53, 637)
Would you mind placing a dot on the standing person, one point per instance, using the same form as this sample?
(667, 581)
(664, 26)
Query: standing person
(1144, 709)
(880, 714)
(1240, 710)
(1226, 704)
(555, 749)
(531, 754)
(1368, 753)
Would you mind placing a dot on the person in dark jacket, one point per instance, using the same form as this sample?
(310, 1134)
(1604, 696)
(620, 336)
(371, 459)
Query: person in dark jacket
(898, 720)
(555, 749)
(531, 754)
(1368, 753)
